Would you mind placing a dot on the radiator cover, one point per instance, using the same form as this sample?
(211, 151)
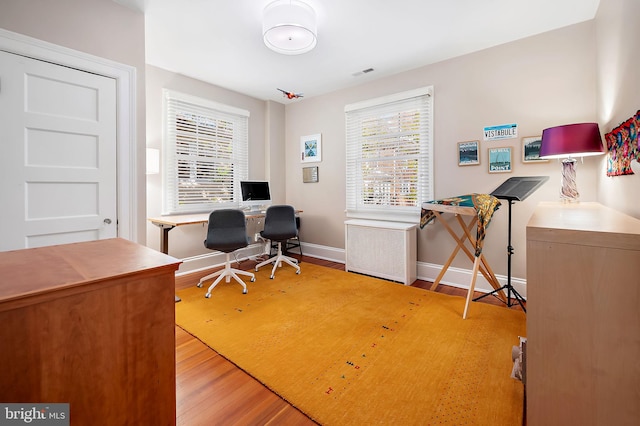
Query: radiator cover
(382, 249)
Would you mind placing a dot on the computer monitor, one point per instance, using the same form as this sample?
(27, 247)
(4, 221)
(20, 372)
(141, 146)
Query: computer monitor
(255, 194)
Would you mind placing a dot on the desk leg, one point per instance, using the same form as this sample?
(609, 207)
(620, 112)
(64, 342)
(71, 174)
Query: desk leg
(164, 242)
(164, 237)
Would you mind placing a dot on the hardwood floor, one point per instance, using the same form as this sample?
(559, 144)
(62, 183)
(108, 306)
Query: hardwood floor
(213, 391)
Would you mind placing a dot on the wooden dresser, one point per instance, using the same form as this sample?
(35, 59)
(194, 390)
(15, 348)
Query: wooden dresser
(583, 316)
(93, 325)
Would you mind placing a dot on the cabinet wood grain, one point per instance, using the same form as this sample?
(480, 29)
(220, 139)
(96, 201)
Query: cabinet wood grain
(93, 325)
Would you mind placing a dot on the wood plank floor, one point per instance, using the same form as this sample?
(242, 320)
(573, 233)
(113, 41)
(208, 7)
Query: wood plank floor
(213, 391)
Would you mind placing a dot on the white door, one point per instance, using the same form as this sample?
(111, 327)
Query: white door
(57, 154)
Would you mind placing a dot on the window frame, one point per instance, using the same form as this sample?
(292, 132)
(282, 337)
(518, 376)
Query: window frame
(236, 158)
(378, 108)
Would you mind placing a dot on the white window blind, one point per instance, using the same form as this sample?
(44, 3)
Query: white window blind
(389, 156)
(205, 154)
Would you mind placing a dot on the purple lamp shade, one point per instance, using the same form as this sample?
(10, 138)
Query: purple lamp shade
(571, 140)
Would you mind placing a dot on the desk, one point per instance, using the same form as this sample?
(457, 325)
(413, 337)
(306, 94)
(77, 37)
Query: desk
(167, 223)
(480, 209)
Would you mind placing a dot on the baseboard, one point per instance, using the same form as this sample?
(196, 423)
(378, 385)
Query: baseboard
(214, 259)
(323, 252)
(455, 277)
(461, 278)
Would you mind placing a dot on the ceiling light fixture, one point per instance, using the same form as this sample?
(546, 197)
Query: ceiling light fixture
(289, 27)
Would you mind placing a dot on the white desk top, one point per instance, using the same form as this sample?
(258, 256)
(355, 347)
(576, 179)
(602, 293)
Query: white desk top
(197, 218)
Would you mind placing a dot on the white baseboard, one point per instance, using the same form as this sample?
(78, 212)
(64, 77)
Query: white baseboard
(461, 278)
(455, 277)
(203, 262)
(323, 252)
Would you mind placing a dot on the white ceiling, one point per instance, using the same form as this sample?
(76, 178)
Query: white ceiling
(220, 41)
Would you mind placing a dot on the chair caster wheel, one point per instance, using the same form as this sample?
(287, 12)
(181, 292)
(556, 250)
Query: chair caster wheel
(208, 295)
(199, 285)
(298, 272)
(272, 276)
(244, 291)
(253, 279)
(256, 269)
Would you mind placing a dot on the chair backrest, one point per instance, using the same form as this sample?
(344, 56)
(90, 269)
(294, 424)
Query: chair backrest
(280, 223)
(227, 230)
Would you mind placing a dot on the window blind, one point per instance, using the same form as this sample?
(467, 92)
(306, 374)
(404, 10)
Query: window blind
(205, 154)
(389, 156)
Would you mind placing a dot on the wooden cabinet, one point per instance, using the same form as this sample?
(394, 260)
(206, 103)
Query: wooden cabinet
(583, 316)
(93, 325)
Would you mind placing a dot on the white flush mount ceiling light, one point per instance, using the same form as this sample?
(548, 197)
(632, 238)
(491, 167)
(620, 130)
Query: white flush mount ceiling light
(289, 27)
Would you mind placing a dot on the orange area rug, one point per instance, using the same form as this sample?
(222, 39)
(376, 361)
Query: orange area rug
(348, 349)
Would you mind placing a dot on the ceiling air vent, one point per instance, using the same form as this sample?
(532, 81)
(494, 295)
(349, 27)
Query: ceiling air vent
(363, 72)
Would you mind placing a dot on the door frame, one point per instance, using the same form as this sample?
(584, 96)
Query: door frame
(126, 146)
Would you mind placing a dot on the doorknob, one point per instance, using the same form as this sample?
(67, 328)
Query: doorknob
(107, 221)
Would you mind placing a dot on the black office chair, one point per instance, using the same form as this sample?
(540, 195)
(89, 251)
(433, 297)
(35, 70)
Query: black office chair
(294, 242)
(279, 226)
(227, 232)
(291, 243)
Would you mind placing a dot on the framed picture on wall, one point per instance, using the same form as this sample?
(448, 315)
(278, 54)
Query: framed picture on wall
(468, 153)
(500, 160)
(311, 148)
(531, 149)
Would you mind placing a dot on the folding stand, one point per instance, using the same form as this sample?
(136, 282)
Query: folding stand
(515, 188)
(480, 264)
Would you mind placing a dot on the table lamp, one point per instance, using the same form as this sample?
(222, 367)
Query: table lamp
(567, 142)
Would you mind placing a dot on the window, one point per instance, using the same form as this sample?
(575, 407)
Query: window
(389, 156)
(205, 154)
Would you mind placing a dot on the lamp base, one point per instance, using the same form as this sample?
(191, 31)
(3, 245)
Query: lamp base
(569, 191)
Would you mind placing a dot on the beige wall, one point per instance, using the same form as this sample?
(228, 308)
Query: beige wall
(98, 27)
(537, 82)
(617, 34)
(274, 150)
(585, 72)
(187, 241)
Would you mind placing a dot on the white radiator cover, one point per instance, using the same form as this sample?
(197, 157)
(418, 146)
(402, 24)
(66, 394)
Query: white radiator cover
(382, 249)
